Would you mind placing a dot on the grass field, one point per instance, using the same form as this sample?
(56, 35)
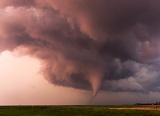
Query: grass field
(78, 111)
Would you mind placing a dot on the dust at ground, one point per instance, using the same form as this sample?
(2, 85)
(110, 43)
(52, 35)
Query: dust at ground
(146, 107)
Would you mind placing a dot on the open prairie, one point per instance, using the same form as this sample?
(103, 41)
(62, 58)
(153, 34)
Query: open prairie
(80, 111)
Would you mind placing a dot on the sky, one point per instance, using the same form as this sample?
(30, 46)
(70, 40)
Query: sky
(56, 52)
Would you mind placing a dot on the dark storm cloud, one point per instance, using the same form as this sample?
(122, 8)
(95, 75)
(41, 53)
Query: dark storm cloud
(107, 18)
(17, 3)
(87, 44)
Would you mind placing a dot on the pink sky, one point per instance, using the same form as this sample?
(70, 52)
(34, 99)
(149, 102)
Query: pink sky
(22, 83)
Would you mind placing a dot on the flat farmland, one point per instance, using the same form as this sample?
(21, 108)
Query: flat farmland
(80, 110)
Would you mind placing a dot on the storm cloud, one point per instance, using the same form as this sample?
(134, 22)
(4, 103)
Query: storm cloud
(94, 45)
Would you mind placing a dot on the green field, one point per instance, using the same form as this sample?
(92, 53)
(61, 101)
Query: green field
(73, 111)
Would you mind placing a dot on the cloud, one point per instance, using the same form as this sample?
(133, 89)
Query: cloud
(142, 78)
(17, 3)
(107, 45)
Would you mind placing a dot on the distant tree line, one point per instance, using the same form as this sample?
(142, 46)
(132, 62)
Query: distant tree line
(157, 103)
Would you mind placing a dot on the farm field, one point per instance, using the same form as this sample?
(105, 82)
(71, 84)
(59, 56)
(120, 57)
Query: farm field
(80, 110)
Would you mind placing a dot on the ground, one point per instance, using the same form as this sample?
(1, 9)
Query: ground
(79, 110)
